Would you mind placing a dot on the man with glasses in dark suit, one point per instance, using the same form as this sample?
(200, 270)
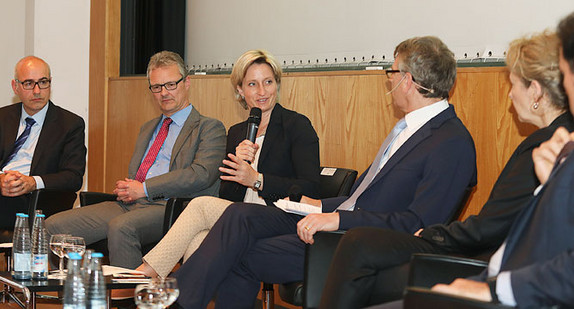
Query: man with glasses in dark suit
(41, 144)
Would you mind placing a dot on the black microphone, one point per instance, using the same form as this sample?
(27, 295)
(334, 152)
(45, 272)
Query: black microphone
(295, 193)
(253, 124)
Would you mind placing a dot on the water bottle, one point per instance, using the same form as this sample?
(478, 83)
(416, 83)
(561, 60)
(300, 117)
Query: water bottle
(87, 265)
(96, 284)
(21, 249)
(40, 243)
(74, 288)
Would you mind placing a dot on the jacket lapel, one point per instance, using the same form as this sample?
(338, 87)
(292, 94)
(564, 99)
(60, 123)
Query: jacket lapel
(47, 133)
(271, 135)
(190, 124)
(423, 133)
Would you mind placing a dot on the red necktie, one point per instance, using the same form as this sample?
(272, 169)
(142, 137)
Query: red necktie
(153, 150)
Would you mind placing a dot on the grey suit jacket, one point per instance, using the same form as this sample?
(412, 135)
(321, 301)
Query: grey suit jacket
(195, 159)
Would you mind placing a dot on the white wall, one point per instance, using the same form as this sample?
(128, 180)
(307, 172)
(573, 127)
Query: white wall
(57, 31)
(220, 31)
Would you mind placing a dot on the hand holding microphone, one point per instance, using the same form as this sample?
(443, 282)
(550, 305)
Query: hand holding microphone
(246, 149)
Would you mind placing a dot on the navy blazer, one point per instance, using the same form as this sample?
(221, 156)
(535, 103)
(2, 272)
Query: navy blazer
(421, 184)
(60, 154)
(540, 247)
(511, 193)
(289, 156)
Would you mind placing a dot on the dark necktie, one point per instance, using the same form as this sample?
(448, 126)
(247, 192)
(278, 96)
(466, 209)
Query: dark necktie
(20, 140)
(153, 151)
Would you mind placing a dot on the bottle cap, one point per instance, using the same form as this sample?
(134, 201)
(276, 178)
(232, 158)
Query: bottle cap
(21, 215)
(41, 215)
(97, 255)
(74, 256)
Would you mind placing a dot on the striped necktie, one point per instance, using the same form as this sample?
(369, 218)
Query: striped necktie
(20, 140)
(153, 151)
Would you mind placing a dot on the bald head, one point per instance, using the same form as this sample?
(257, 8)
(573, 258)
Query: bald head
(30, 71)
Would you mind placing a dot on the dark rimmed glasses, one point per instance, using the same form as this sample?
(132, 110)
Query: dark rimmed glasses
(168, 86)
(29, 84)
(390, 72)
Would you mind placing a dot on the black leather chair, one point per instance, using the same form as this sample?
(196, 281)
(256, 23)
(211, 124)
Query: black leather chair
(427, 270)
(338, 184)
(318, 259)
(173, 209)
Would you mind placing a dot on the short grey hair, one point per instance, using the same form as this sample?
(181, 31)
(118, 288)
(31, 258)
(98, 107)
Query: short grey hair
(165, 58)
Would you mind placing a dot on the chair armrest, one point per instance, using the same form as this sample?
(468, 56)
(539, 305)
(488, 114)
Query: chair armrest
(173, 208)
(429, 269)
(416, 298)
(318, 258)
(50, 201)
(89, 198)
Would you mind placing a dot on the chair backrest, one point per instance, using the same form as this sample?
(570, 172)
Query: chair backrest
(336, 181)
(50, 202)
(461, 205)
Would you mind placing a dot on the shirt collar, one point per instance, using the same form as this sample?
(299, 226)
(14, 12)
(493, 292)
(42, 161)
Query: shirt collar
(422, 115)
(180, 116)
(38, 117)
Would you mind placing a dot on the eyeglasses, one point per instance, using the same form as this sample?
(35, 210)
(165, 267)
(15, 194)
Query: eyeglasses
(29, 84)
(168, 86)
(390, 72)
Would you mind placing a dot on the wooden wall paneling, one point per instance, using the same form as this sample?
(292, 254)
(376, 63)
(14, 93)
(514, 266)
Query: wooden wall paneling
(349, 110)
(104, 62)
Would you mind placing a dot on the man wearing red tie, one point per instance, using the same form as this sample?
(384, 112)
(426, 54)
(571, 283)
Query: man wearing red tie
(176, 155)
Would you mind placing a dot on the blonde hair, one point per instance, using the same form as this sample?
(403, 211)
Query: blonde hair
(535, 58)
(245, 61)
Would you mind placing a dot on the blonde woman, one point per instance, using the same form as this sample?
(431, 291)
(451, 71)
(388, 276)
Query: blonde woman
(285, 153)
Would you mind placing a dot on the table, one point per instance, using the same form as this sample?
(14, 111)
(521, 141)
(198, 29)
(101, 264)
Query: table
(29, 288)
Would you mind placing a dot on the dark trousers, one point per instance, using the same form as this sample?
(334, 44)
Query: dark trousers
(248, 244)
(370, 267)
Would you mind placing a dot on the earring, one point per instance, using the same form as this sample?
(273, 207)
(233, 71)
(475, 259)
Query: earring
(535, 105)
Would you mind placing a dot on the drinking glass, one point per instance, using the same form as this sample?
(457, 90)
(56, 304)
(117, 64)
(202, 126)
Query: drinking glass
(149, 296)
(74, 244)
(169, 287)
(57, 247)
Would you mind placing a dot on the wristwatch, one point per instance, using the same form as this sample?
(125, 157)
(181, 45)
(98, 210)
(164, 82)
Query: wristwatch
(258, 183)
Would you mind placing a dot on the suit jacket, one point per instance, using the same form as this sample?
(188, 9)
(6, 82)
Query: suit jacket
(510, 194)
(60, 154)
(59, 157)
(289, 156)
(539, 247)
(421, 184)
(195, 158)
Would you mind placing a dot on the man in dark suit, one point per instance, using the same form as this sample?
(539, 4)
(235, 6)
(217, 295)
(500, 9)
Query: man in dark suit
(41, 144)
(176, 155)
(370, 265)
(534, 267)
(418, 178)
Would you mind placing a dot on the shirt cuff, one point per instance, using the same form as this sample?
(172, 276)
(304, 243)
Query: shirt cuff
(39, 182)
(504, 289)
(145, 189)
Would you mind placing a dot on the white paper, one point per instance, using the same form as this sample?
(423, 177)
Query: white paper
(6, 245)
(297, 208)
(114, 270)
(328, 171)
